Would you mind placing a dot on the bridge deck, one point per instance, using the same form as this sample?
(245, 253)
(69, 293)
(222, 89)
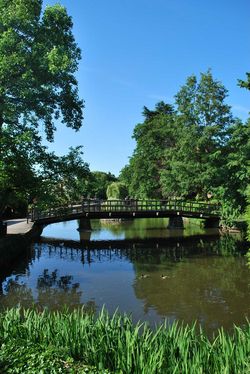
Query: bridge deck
(92, 209)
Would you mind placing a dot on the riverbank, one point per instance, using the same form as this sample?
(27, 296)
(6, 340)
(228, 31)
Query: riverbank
(19, 235)
(78, 342)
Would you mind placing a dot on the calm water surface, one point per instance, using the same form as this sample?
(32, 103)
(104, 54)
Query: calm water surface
(137, 266)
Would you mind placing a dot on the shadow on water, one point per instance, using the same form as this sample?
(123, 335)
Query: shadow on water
(203, 278)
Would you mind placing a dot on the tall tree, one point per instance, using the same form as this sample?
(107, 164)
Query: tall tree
(21, 151)
(191, 167)
(153, 136)
(236, 172)
(64, 178)
(38, 57)
(98, 183)
(38, 60)
(246, 84)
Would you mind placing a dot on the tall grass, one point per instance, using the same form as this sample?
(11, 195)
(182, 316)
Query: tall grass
(115, 344)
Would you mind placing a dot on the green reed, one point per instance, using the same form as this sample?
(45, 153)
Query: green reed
(115, 344)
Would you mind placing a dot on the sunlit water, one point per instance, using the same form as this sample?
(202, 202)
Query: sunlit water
(137, 266)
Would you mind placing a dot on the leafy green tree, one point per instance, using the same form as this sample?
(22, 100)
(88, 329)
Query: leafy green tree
(246, 84)
(192, 166)
(98, 183)
(236, 172)
(247, 218)
(18, 175)
(117, 191)
(194, 150)
(38, 57)
(64, 178)
(38, 60)
(153, 136)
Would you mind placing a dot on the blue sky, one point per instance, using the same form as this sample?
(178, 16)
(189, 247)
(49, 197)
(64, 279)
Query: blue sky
(138, 52)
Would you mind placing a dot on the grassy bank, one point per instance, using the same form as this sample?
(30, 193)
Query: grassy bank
(76, 342)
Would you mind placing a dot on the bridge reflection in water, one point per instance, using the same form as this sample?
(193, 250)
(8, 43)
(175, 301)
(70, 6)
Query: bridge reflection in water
(205, 278)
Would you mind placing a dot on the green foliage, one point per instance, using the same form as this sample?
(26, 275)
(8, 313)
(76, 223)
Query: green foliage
(246, 83)
(33, 341)
(38, 60)
(116, 191)
(247, 218)
(192, 150)
(20, 154)
(142, 175)
(30, 358)
(98, 183)
(38, 57)
(64, 178)
(192, 167)
(247, 214)
(235, 173)
(229, 214)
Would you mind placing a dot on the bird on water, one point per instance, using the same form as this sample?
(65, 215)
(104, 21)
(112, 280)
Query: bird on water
(164, 276)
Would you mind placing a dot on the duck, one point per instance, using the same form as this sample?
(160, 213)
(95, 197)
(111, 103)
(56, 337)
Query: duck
(164, 276)
(144, 276)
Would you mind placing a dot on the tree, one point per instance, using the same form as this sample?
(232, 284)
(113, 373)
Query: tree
(38, 60)
(247, 218)
(180, 150)
(236, 172)
(64, 178)
(98, 184)
(246, 83)
(117, 191)
(153, 136)
(21, 152)
(192, 166)
(38, 57)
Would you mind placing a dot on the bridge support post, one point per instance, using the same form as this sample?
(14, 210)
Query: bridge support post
(175, 222)
(85, 236)
(84, 224)
(212, 223)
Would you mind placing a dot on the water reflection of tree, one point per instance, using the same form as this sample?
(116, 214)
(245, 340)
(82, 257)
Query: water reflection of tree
(133, 228)
(53, 292)
(8, 265)
(210, 286)
(162, 255)
(16, 295)
(143, 228)
(116, 227)
(211, 290)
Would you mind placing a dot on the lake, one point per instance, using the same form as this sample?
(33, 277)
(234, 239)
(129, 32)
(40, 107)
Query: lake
(137, 266)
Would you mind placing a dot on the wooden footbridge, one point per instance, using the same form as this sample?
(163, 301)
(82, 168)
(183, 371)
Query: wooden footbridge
(115, 209)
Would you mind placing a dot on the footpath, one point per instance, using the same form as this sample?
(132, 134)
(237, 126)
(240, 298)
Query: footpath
(18, 226)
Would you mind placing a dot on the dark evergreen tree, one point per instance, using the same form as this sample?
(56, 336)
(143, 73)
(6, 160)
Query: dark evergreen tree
(153, 136)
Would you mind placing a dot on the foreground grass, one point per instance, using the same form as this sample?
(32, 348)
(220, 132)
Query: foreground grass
(63, 342)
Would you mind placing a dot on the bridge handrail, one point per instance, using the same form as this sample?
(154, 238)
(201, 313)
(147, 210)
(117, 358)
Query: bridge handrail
(129, 205)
